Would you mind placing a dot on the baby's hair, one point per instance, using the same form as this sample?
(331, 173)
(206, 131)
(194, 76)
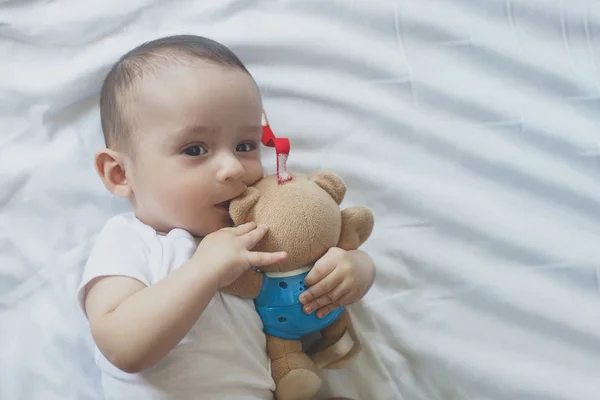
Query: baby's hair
(145, 59)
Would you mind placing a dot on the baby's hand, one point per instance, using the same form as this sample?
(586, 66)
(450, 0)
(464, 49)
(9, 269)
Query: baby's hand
(227, 253)
(339, 278)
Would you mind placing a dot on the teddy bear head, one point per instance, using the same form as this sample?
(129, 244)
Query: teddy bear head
(303, 216)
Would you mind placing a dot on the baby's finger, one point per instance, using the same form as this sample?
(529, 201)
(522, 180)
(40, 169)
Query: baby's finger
(259, 259)
(320, 304)
(324, 286)
(322, 312)
(244, 228)
(323, 301)
(252, 237)
(344, 300)
(321, 269)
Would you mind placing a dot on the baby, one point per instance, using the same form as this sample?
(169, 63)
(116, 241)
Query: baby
(181, 118)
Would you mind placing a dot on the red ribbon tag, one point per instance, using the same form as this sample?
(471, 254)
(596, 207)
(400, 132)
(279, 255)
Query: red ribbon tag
(282, 150)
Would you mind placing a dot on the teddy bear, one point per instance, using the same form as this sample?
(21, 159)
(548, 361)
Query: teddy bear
(305, 219)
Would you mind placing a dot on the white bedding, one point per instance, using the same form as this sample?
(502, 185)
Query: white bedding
(469, 127)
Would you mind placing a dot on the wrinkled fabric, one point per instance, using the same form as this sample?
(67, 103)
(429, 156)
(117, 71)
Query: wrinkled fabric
(469, 127)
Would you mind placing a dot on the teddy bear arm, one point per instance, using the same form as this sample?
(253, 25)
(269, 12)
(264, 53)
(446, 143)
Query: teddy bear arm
(357, 225)
(247, 286)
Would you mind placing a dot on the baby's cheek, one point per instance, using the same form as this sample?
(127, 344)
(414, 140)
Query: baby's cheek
(173, 196)
(254, 172)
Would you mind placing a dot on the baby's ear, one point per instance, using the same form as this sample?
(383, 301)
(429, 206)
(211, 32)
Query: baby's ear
(240, 207)
(331, 183)
(357, 225)
(110, 166)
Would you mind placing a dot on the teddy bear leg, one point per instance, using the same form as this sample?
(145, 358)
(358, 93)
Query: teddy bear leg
(347, 359)
(294, 373)
(339, 345)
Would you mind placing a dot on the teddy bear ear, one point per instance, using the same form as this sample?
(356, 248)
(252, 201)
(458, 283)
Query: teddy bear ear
(331, 183)
(240, 207)
(357, 226)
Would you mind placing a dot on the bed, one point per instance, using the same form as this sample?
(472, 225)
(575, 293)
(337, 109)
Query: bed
(470, 128)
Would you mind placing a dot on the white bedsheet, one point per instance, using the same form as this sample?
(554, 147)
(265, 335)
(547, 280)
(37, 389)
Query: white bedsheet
(469, 127)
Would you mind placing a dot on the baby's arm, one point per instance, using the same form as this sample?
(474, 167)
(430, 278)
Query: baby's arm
(136, 326)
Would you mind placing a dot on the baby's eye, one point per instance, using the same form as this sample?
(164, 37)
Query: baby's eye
(245, 147)
(194, 151)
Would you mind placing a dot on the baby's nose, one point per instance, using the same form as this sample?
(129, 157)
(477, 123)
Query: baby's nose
(231, 169)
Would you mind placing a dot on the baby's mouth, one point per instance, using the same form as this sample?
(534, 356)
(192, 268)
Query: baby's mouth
(224, 204)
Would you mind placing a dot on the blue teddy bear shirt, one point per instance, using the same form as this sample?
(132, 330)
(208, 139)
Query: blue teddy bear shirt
(280, 310)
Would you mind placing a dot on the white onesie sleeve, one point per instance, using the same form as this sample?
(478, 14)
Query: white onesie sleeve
(120, 249)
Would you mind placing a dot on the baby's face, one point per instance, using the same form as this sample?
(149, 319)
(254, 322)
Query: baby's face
(197, 145)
